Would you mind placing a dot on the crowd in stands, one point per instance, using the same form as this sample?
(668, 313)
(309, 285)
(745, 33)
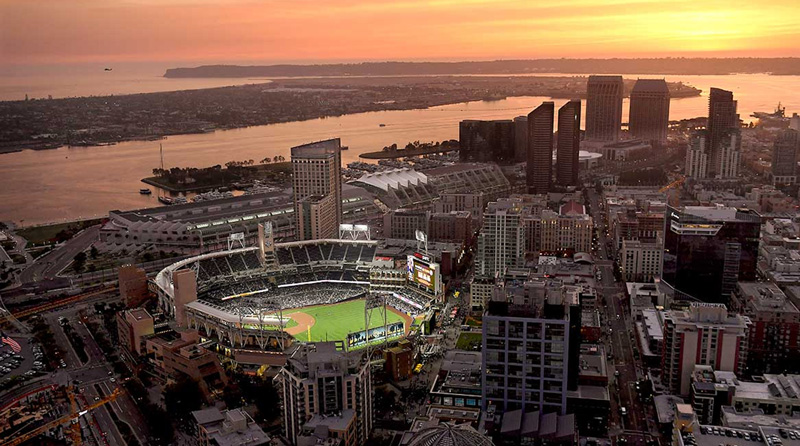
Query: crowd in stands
(331, 252)
(224, 266)
(408, 301)
(297, 297)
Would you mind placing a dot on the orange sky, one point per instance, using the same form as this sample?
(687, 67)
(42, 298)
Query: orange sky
(76, 31)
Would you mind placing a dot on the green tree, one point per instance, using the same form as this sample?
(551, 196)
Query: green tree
(183, 397)
(94, 252)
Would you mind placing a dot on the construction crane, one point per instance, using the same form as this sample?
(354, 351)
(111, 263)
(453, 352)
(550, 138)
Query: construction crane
(72, 417)
(673, 200)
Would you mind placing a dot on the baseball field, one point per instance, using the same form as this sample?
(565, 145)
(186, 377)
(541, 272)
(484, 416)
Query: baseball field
(333, 322)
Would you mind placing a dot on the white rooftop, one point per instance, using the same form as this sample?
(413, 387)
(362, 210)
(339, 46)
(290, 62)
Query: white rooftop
(394, 179)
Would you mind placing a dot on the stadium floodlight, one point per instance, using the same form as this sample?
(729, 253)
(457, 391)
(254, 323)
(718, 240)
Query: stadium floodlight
(237, 238)
(354, 232)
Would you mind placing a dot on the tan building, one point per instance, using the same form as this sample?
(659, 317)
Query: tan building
(474, 203)
(322, 387)
(453, 227)
(133, 326)
(316, 172)
(568, 230)
(176, 354)
(317, 215)
(132, 285)
(403, 223)
(641, 260)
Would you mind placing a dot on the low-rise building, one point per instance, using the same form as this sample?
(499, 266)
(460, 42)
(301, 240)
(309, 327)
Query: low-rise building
(233, 427)
(133, 327)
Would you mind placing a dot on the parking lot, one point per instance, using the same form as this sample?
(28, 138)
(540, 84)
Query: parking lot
(29, 362)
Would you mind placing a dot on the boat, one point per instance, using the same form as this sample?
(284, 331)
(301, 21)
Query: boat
(381, 125)
(145, 191)
(779, 113)
(165, 200)
(344, 148)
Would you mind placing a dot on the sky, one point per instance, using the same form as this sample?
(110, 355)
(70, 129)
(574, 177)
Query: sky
(51, 32)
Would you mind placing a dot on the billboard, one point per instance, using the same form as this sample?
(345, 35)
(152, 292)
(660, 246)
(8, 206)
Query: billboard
(423, 272)
(362, 338)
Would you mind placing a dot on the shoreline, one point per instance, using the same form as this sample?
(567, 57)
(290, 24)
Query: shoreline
(405, 100)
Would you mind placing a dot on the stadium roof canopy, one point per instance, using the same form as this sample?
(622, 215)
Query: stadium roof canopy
(394, 178)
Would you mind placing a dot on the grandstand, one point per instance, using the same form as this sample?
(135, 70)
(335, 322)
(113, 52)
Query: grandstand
(248, 307)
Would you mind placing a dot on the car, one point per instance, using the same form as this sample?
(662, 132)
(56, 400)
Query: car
(113, 380)
(623, 410)
(616, 373)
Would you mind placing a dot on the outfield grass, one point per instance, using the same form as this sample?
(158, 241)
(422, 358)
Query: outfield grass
(334, 322)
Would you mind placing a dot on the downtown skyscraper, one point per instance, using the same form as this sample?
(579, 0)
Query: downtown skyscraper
(603, 108)
(568, 143)
(539, 174)
(649, 113)
(317, 189)
(722, 118)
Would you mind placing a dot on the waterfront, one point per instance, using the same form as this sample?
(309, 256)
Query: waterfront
(82, 182)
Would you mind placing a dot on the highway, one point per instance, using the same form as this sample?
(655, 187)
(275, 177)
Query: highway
(48, 266)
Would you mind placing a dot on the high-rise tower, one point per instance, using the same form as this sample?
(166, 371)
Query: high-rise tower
(649, 113)
(603, 108)
(568, 145)
(722, 117)
(317, 189)
(540, 148)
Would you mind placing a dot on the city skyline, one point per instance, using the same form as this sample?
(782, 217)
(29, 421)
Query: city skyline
(240, 30)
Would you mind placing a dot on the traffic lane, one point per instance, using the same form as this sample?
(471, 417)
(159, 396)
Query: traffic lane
(47, 266)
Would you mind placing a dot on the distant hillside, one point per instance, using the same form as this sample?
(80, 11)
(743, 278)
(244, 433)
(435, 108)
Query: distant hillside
(784, 66)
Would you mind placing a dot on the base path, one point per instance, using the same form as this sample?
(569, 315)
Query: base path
(408, 320)
(304, 321)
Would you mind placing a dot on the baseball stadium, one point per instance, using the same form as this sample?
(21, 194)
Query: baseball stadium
(254, 302)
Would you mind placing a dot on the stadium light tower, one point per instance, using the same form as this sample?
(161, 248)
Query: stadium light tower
(422, 241)
(354, 232)
(236, 239)
(375, 309)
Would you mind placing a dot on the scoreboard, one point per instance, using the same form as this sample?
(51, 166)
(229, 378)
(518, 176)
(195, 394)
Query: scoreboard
(425, 273)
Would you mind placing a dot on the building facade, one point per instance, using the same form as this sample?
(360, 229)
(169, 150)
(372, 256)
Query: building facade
(705, 334)
(530, 354)
(773, 335)
(569, 143)
(487, 141)
(317, 189)
(722, 116)
(604, 107)
(539, 174)
(784, 157)
(649, 112)
(501, 243)
(641, 260)
(321, 385)
(708, 249)
(697, 156)
(729, 155)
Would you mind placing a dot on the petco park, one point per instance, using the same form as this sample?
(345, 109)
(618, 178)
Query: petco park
(253, 302)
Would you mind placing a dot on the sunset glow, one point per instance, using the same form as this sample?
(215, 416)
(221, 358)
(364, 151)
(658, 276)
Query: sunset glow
(65, 31)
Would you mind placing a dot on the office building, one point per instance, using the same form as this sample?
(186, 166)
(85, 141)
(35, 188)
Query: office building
(520, 139)
(710, 391)
(501, 243)
(604, 108)
(133, 326)
(400, 361)
(487, 141)
(773, 336)
(531, 349)
(232, 427)
(784, 157)
(323, 388)
(697, 156)
(317, 188)
(649, 111)
(569, 143)
(569, 230)
(708, 249)
(454, 226)
(722, 117)
(403, 223)
(641, 260)
(132, 285)
(539, 174)
(705, 334)
(729, 155)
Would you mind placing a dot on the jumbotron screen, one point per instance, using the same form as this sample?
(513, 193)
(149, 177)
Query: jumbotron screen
(423, 272)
